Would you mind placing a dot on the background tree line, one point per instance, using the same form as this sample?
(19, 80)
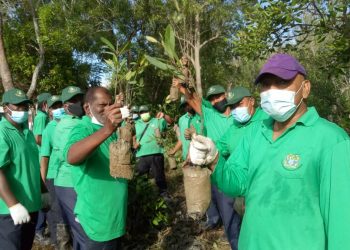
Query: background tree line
(46, 45)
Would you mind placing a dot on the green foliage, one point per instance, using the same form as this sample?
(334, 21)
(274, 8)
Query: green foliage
(171, 64)
(146, 209)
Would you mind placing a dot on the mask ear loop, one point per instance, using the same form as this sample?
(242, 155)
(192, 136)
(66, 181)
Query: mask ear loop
(302, 98)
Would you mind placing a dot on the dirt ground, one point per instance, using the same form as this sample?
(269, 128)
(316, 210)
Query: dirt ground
(182, 233)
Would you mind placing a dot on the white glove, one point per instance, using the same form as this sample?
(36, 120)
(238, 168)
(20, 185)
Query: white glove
(202, 150)
(45, 201)
(19, 214)
(125, 112)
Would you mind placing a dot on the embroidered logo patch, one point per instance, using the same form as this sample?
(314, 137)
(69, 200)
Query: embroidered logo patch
(291, 162)
(72, 89)
(19, 93)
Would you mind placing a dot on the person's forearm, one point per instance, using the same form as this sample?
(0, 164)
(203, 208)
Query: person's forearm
(196, 103)
(177, 146)
(38, 139)
(168, 119)
(5, 191)
(44, 163)
(79, 151)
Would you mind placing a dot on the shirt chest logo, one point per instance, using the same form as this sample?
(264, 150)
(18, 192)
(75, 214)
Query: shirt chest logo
(291, 162)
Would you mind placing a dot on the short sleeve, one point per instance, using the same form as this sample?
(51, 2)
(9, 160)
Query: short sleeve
(163, 125)
(78, 133)
(39, 124)
(4, 152)
(46, 147)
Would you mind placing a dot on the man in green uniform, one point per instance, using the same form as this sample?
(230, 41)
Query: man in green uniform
(72, 98)
(217, 118)
(48, 167)
(101, 199)
(149, 151)
(19, 174)
(292, 168)
(190, 120)
(244, 113)
(41, 119)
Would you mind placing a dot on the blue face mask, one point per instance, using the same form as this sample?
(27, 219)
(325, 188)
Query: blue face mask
(18, 117)
(58, 113)
(241, 114)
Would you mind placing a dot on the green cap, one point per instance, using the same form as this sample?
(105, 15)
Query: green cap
(43, 97)
(144, 108)
(69, 92)
(134, 109)
(14, 96)
(215, 90)
(236, 95)
(53, 99)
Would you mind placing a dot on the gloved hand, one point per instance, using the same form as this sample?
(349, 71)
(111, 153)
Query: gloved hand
(125, 112)
(202, 150)
(45, 201)
(19, 214)
(189, 132)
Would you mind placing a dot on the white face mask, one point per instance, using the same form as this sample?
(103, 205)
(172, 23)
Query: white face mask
(279, 103)
(241, 114)
(18, 117)
(58, 113)
(93, 118)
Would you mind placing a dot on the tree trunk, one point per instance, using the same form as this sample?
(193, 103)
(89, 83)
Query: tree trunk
(41, 52)
(5, 72)
(197, 47)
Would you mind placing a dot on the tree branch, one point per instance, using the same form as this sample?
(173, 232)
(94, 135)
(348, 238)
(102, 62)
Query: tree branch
(217, 35)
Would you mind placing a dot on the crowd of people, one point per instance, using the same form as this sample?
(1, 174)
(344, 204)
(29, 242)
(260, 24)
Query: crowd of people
(289, 166)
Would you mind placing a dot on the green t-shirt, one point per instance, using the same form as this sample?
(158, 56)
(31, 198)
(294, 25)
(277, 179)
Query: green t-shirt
(101, 199)
(185, 122)
(215, 123)
(230, 140)
(40, 121)
(60, 139)
(46, 149)
(148, 143)
(296, 187)
(20, 164)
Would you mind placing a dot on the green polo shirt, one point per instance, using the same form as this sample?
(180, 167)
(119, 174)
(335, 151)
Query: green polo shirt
(293, 197)
(40, 121)
(230, 140)
(185, 122)
(101, 199)
(60, 139)
(46, 149)
(215, 123)
(20, 164)
(148, 143)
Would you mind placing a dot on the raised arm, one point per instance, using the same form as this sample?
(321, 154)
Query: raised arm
(79, 151)
(192, 98)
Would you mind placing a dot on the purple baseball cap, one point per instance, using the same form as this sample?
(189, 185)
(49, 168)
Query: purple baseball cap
(284, 66)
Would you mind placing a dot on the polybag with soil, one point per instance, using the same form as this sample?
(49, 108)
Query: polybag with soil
(197, 190)
(120, 153)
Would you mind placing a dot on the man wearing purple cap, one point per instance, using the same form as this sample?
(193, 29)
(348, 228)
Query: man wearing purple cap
(293, 168)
